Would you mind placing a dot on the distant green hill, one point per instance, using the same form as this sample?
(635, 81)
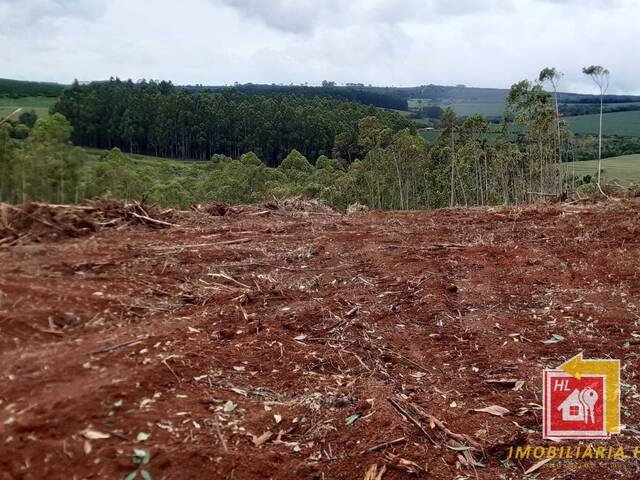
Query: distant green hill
(20, 88)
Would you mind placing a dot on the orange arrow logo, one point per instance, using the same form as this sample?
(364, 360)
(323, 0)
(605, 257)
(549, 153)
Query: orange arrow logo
(578, 366)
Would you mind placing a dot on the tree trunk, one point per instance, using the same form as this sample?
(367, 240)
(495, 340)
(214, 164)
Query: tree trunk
(600, 142)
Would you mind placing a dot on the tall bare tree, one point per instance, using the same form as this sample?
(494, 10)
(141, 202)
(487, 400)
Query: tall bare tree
(600, 76)
(449, 124)
(553, 77)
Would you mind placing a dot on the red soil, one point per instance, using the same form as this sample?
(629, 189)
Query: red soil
(300, 322)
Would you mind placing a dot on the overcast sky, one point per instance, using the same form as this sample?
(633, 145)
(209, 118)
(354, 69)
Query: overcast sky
(487, 43)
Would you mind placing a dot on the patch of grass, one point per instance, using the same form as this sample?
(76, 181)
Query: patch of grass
(430, 135)
(624, 169)
(39, 104)
(145, 160)
(615, 123)
(461, 107)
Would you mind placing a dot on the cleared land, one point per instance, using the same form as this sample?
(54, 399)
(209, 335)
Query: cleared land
(270, 345)
(145, 160)
(624, 169)
(39, 104)
(615, 123)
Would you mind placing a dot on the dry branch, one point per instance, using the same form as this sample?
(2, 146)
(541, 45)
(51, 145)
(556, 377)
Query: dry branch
(382, 445)
(408, 416)
(153, 220)
(118, 345)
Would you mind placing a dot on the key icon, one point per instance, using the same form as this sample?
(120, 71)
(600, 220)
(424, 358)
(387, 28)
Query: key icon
(589, 398)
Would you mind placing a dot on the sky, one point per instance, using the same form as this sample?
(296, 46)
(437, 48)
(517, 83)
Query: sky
(482, 43)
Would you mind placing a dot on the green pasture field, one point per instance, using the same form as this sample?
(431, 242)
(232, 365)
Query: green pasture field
(615, 123)
(462, 108)
(624, 169)
(39, 104)
(94, 154)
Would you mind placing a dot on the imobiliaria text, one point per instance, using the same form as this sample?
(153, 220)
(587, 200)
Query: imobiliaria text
(574, 452)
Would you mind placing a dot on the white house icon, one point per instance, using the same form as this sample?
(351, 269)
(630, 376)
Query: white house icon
(579, 406)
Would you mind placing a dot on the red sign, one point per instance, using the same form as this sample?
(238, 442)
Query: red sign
(574, 408)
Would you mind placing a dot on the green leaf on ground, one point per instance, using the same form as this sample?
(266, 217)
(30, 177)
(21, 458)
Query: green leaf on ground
(352, 418)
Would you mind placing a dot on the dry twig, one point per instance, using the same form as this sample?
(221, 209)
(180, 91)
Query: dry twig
(408, 416)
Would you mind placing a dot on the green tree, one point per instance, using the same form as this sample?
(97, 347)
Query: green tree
(21, 131)
(218, 160)
(324, 162)
(28, 118)
(296, 167)
(116, 174)
(251, 159)
(7, 174)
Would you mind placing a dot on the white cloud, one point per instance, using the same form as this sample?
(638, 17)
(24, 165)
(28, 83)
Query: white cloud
(383, 42)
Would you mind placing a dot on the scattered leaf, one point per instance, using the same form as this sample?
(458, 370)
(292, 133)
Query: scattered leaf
(503, 382)
(453, 404)
(349, 420)
(496, 410)
(519, 385)
(94, 434)
(277, 418)
(403, 464)
(262, 439)
(239, 368)
(86, 447)
(554, 339)
(537, 465)
(459, 448)
(229, 406)
(374, 474)
(142, 436)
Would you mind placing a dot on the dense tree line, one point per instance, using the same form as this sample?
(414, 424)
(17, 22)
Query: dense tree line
(362, 94)
(574, 109)
(19, 88)
(584, 147)
(162, 120)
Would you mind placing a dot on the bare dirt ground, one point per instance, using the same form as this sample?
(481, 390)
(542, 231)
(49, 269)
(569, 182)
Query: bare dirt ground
(287, 346)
